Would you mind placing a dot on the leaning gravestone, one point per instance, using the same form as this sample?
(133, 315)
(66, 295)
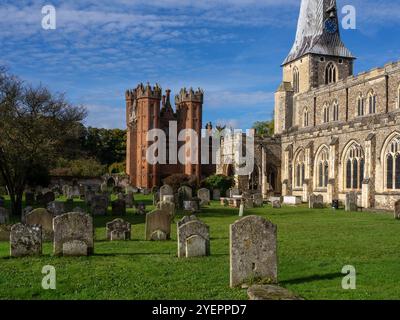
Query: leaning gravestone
(253, 251)
(198, 246)
(397, 210)
(56, 207)
(43, 218)
(166, 190)
(3, 215)
(316, 201)
(73, 234)
(158, 220)
(118, 230)
(99, 205)
(351, 201)
(204, 196)
(216, 194)
(25, 240)
(167, 206)
(118, 208)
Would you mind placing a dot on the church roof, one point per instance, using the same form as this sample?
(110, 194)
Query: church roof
(312, 34)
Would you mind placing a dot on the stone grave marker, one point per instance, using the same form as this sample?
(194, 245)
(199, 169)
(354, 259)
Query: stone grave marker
(397, 209)
(316, 201)
(118, 230)
(56, 207)
(204, 196)
(118, 208)
(188, 227)
(43, 218)
(253, 251)
(351, 201)
(158, 220)
(25, 240)
(73, 234)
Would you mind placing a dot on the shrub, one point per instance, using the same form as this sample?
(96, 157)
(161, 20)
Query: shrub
(79, 168)
(178, 180)
(117, 167)
(220, 182)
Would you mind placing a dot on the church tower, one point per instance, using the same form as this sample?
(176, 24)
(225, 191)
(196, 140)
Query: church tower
(318, 57)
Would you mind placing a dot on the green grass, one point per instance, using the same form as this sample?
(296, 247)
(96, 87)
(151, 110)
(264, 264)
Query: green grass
(313, 247)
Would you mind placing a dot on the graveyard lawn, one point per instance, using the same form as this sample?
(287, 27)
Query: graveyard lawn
(313, 247)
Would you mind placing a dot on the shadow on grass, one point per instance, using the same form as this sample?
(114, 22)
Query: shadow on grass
(317, 277)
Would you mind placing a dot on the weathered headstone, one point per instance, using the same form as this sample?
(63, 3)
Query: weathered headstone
(216, 194)
(397, 210)
(248, 202)
(258, 200)
(25, 240)
(191, 206)
(73, 234)
(351, 201)
(186, 193)
(241, 210)
(3, 215)
(56, 207)
(316, 201)
(253, 251)
(188, 227)
(158, 220)
(168, 207)
(169, 198)
(118, 208)
(166, 190)
(158, 235)
(291, 200)
(99, 205)
(25, 211)
(204, 196)
(43, 218)
(233, 192)
(276, 204)
(118, 230)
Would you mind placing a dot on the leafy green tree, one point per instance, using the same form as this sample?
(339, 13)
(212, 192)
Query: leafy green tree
(264, 128)
(220, 182)
(34, 127)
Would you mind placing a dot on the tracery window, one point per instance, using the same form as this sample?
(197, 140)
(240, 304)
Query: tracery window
(335, 111)
(322, 162)
(306, 118)
(300, 169)
(326, 112)
(392, 156)
(361, 105)
(355, 163)
(296, 80)
(372, 102)
(330, 73)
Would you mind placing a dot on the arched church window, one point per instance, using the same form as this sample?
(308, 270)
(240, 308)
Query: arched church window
(300, 169)
(360, 105)
(305, 117)
(354, 167)
(393, 164)
(296, 80)
(330, 73)
(372, 102)
(335, 111)
(322, 165)
(326, 113)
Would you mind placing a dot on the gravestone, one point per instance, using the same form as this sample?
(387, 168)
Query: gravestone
(141, 209)
(25, 211)
(118, 208)
(204, 196)
(56, 208)
(191, 206)
(291, 200)
(186, 193)
(25, 240)
(3, 215)
(241, 210)
(258, 200)
(99, 205)
(186, 219)
(168, 207)
(89, 194)
(166, 190)
(216, 194)
(121, 196)
(29, 198)
(187, 228)
(65, 188)
(253, 251)
(316, 201)
(168, 198)
(248, 203)
(129, 199)
(158, 220)
(43, 218)
(397, 210)
(351, 201)
(73, 234)
(158, 235)
(276, 204)
(118, 230)
(196, 246)
(156, 198)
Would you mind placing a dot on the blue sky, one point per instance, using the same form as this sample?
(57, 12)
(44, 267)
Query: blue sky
(231, 48)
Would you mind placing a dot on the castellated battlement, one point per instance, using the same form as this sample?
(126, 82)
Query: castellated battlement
(189, 96)
(130, 95)
(148, 91)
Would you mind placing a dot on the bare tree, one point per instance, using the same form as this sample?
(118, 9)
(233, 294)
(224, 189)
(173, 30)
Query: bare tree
(34, 126)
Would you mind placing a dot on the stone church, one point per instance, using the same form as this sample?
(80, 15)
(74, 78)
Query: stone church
(339, 132)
